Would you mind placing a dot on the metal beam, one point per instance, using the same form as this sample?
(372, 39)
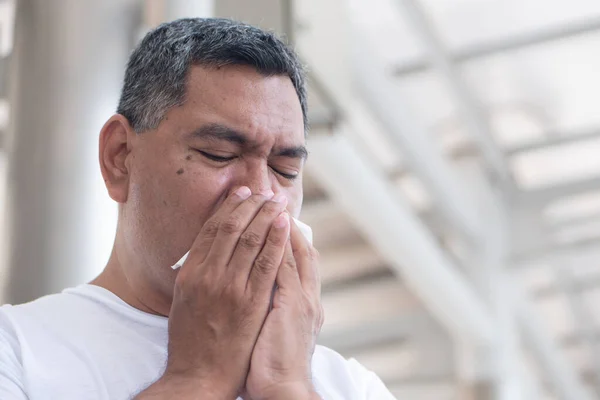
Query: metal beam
(560, 191)
(347, 264)
(383, 218)
(542, 36)
(421, 155)
(538, 198)
(368, 102)
(334, 227)
(361, 335)
(582, 316)
(578, 286)
(575, 222)
(467, 150)
(366, 278)
(574, 340)
(399, 236)
(554, 253)
(472, 112)
(564, 379)
(554, 140)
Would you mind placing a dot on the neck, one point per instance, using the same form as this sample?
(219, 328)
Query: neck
(133, 288)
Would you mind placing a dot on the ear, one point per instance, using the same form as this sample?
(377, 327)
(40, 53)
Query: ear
(115, 147)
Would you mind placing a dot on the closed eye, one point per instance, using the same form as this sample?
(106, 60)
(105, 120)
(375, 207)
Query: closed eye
(221, 159)
(286, 176)
(214, 157)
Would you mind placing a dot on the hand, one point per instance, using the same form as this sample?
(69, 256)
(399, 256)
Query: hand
(222, 294)
(280, 367)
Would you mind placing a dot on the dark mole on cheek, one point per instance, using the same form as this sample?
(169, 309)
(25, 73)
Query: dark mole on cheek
(188, 158)
(180, 171)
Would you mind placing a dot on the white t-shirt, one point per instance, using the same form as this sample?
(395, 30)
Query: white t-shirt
(86, 344)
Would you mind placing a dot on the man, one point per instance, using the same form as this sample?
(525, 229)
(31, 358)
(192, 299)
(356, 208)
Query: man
(206, 153)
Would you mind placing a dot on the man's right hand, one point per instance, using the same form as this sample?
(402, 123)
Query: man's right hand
(221, 297)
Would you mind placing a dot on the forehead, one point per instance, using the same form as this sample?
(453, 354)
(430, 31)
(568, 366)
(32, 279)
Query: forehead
(265, 108)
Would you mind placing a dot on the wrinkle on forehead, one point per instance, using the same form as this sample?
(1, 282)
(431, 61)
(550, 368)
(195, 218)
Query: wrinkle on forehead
(263, 107)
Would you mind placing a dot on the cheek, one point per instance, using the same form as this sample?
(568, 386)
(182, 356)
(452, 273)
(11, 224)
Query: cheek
(167, 210)
(295, 197)
(201, 192)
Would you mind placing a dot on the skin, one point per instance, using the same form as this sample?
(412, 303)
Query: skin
(174, 196)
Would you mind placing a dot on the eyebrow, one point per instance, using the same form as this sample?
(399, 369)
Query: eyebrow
(216, 131)
(293, 152)
(219, 132)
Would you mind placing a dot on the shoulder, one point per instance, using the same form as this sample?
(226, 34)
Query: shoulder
(73, 307)
(336, 377)
(73, 313)
(8, 335)
(11, 368)
(46, 309)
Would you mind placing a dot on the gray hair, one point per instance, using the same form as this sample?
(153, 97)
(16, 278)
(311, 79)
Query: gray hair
(156, 74)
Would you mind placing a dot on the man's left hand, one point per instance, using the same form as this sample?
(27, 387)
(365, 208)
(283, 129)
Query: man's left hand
(280, 367)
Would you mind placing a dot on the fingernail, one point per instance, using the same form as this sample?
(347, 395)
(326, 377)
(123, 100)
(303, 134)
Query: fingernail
(282, 220)
(243, 192)
(279, 198)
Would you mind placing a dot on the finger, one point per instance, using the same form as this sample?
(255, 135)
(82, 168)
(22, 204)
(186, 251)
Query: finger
(287, 276)
(264, 269)
(306, 261)
(231, 228)
(208, 233)
(254, 237)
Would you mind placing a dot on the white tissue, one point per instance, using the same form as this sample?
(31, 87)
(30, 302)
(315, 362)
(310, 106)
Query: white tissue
(305, 229)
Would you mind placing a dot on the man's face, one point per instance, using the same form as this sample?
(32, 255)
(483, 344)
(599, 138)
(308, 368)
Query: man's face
(235, 128)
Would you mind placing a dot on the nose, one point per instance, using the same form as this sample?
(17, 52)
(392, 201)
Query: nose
(258, 179)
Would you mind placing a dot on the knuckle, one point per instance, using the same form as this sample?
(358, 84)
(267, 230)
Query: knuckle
(211, 227)
(276, 240)
(289, 260)
(264, 264)
(313, 308)
(232, 225)
(250, 240)
(270, 208)
(309, 253)
(304, 253)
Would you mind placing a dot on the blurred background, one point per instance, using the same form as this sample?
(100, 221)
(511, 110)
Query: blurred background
(453, 183)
